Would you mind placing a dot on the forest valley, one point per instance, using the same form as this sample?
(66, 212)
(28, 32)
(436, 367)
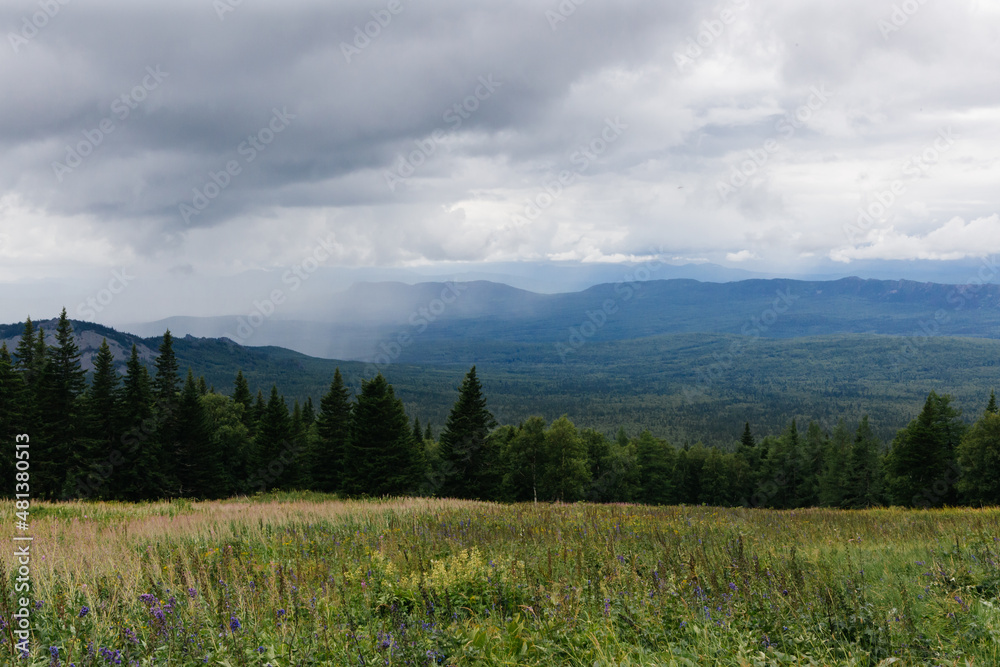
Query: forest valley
(146, 436)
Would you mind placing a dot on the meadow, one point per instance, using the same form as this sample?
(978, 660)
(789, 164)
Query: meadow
(300, 579)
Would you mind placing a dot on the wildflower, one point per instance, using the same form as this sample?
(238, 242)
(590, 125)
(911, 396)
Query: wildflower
(84, 610)
(234, 624)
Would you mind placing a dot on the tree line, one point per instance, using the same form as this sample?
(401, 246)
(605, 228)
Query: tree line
(143, 435)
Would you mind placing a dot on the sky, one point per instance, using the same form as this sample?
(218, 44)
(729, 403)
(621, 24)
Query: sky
(179, 158)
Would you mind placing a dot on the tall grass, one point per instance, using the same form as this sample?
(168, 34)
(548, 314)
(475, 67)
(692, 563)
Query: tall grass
(311, 580)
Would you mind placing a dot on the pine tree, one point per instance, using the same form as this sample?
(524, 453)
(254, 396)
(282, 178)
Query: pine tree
(202, 386)
(991, 407)
(308, 412)
(418, 434)
(381, 458)
(167, 382)
(428, 434)
(166, 385)
(833, 480)
(62, 385)
(333, 430)
(102, 424)
(921, 465)
(864, 470)
(463, 438)
(198, 467)
(275, 453)
(979, 458)
(137, 474)
(10, 393)
(241, 395)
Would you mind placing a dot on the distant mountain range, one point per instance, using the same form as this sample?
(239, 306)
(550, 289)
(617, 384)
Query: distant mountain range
(370, 320)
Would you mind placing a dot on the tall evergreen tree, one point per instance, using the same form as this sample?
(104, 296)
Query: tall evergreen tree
(101, 421)
(198, 469)
(333, 431)
(833, 480)
(10, 393)
(137, 473)
(921, 465)
(63, 383)
(864, 469)
(275, 453)
(979, 458)
(991, 407)
(166, 386)
(382, 458)
(241, 395)
(463, 438)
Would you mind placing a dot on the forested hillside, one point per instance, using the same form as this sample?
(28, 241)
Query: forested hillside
(142, 435)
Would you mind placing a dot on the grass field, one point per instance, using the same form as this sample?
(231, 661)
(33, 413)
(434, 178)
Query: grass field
(309, 580)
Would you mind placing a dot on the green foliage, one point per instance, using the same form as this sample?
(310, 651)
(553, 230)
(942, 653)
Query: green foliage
(979, 458)
(921, 465)
(381, 458)
(462, 442)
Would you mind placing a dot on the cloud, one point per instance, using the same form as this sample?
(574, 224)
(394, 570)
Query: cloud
(953, 240)
(741, 256)
(410, 97)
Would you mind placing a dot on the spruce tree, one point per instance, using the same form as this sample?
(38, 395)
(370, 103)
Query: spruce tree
(274, 460)
(418, 434)
(463, 438)
(241, 395)
(62, 385)
(656, 460)
(833, 479)
(102, 424)
(10, 393)
(333, 430)
(308, 412)
(166, 386)
(864, 479)
(921, 465)
(382, 458)
(138, 475)
(979, 458)
(198, 467)
(991, 407)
